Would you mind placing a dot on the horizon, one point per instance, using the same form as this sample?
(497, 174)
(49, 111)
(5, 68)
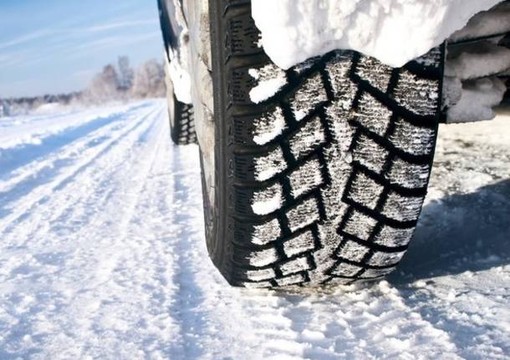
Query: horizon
(72, 42)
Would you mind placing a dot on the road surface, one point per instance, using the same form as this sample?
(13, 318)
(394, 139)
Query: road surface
(102, 255)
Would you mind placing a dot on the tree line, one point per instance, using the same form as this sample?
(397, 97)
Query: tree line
(123, 82)
(115, 82)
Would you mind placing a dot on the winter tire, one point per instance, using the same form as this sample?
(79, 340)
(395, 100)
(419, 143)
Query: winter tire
(182, 126)
(325, 179)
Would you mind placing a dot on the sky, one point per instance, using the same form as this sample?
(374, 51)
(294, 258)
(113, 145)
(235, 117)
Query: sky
(56, 46)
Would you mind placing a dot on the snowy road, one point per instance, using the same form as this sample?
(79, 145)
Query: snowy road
(102, 255)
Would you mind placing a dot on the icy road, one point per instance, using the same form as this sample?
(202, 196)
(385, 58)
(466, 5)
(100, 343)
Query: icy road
(102, 255)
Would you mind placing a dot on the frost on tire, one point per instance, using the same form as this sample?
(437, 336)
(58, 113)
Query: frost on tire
(324, 179)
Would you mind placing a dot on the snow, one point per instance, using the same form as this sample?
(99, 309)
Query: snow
(48, 108)
(269, 127)
(471, 87)
(270, 80)
(393, 31)
(21, 130)
(480, 25)
(267, 201)
(477, 60)
(181, 80)
(477, 100)
(103, 255)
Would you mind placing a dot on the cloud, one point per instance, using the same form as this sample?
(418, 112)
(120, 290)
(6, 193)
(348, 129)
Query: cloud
(111, 42)
(66, 32)
(120, 24)
(14, 58)
(26, 38)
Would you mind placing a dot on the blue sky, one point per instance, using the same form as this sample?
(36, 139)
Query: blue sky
(56, 46)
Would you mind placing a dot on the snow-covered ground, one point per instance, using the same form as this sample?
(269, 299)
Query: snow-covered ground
(102, 255)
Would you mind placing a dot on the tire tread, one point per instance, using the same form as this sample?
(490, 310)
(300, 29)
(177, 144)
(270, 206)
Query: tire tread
(354, 214)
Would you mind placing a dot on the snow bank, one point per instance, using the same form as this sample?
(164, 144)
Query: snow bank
(393, 31)
(48, 108)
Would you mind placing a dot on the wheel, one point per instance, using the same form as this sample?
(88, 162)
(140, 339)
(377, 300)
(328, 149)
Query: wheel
(321, 170)
(180, 114)
(182, 125)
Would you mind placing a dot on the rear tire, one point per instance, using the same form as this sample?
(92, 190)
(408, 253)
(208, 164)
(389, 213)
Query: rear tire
(182, 124)
(324, 180)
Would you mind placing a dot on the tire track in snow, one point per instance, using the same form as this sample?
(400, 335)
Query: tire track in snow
(371, 321)
(33, 165)
(98, 283)
(210, 313)
(35, 152)
(187, 307)
(157, 228)
(22, 206)
(71, 152)
(129, 269)
(81, 193)
(19, 132)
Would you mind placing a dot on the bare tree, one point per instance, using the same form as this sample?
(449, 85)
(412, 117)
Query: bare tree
(126, 74)
(149, 80)
(4, 108)
(105, 86)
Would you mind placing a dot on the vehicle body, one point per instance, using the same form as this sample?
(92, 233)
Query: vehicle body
(316, 173)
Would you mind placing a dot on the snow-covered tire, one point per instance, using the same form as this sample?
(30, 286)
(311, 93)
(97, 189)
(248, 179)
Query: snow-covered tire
(182, 126)
(324, 180)
(180, 115)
